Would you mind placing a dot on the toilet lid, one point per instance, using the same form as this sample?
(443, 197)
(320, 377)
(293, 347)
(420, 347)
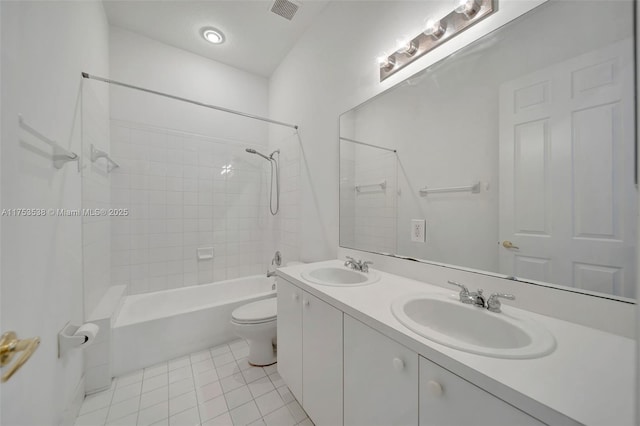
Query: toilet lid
(256, 312)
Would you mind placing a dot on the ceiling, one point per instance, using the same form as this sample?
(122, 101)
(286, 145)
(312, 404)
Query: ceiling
(257, 40)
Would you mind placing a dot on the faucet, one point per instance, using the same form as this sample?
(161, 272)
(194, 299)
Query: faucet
(493, 304)
(277, 260)
(469, 297)
(357, 265)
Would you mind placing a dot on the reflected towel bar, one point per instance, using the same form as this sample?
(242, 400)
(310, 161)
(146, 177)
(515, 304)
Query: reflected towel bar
(474, 189)
(60, 155)
(382, 185)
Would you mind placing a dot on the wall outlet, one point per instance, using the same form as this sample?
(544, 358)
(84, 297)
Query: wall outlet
(418, 230)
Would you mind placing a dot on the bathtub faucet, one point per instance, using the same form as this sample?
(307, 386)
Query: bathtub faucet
(277, 260)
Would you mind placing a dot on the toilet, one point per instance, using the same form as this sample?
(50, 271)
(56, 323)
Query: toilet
(257, 323)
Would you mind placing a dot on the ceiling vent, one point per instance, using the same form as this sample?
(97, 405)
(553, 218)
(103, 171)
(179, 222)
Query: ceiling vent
(285, 8)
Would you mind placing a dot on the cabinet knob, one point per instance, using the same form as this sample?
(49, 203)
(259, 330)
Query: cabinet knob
(398, 364)
(434, 388)
(295, 297)
(305, 302)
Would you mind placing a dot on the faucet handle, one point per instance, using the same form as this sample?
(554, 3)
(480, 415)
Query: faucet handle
(493, 303)
(351, 262)
(365, 265)
(464, 292)
(463, 288)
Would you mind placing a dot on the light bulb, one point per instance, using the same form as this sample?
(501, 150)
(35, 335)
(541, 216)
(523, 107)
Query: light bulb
(406, 47)
(386, 63)
(468, 8)
(435, 28)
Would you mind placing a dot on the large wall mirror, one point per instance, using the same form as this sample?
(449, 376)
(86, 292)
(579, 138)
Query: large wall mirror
(517, 152)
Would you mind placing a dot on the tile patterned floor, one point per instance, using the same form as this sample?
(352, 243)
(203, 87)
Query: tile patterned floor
(212, 387)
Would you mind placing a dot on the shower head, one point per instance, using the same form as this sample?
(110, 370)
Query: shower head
(253, 151)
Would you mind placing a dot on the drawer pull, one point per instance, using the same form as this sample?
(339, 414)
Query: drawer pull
(434, 388)
(398, 364)
(295, 297)
(305, 302)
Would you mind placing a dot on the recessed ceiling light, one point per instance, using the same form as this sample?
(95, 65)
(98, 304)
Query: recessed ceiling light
(213, 35)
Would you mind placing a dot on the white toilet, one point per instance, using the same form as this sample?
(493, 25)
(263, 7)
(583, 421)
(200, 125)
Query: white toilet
(257, 322)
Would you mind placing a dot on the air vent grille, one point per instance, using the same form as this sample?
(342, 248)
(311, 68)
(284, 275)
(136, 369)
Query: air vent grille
(285, 8)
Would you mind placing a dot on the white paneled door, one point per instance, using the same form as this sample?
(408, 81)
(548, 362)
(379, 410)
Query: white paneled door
(568, 200)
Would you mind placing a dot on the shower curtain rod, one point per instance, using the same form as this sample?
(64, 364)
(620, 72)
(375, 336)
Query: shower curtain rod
(368, 144)
(178, 98)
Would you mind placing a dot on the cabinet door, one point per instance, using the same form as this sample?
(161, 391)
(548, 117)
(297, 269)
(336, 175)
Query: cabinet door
(290, 336)
(380, 378)
(322, 361)
(446, 399)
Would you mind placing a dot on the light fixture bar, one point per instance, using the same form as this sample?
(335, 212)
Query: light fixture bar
(449, 26)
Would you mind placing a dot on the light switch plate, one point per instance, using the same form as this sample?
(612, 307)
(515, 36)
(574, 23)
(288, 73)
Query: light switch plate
(418, 230)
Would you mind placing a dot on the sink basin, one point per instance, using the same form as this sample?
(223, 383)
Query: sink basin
(472, 329)
(340, 276)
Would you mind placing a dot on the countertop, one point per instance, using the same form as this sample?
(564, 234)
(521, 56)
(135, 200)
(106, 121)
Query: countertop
(588, 379)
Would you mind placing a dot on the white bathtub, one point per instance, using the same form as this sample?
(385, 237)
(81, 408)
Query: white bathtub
(156, 327)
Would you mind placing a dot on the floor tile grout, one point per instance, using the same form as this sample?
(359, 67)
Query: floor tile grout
(238, 372)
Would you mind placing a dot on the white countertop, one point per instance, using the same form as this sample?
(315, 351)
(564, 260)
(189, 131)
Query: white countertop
(588, 379)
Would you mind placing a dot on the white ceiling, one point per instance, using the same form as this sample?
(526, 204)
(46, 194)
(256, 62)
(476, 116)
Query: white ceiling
(257, 39)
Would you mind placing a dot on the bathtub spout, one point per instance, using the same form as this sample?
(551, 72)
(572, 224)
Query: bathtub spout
(271, 274)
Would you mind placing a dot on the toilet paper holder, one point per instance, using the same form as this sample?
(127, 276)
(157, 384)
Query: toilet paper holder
(67, 339)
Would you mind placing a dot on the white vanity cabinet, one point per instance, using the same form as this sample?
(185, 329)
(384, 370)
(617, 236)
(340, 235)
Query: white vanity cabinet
(380, 378)
(310, 352)
(446, 399)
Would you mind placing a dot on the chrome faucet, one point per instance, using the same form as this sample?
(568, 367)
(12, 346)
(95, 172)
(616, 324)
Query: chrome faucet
(476, 298)
(469, 297)
(357, 265)
(277, 261)
(493, 304)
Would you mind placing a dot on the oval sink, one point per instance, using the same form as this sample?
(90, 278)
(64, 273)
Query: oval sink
(337, 276)
(472, 329)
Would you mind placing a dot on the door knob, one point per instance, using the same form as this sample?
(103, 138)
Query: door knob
(10, 345)
(509, 245)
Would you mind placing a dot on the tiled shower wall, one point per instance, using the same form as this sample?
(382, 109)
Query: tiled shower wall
(285, 229)
(184, 192)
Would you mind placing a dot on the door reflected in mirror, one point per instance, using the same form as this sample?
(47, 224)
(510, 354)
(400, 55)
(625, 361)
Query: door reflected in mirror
(518, 152)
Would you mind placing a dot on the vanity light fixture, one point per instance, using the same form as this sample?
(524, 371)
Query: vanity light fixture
(435, 28)
(435, 32)
(213, 35)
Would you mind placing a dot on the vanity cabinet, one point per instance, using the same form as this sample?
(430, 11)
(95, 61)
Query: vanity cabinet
(310, 352)
(343, 371)
(446, 399)
(380, 378)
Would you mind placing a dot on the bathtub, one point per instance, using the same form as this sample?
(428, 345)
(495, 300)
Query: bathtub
(156, 327)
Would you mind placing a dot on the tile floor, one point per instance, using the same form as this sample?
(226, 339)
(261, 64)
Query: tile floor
(212, 387)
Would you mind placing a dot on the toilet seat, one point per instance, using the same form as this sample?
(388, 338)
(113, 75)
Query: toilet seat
(258, 312)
